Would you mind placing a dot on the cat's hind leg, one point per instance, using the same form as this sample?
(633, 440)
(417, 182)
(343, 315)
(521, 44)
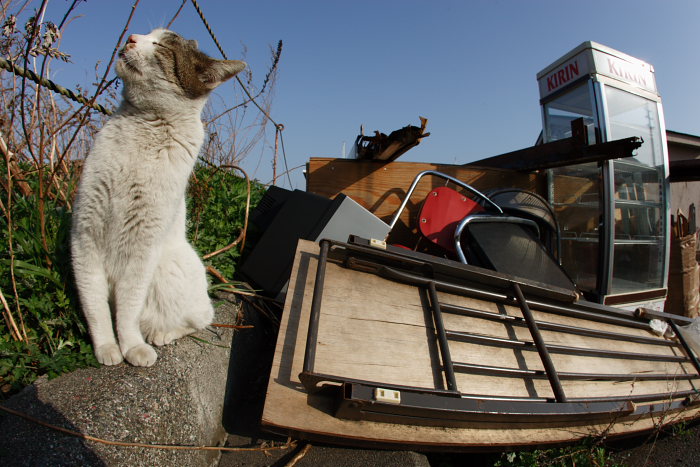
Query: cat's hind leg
(178, 303)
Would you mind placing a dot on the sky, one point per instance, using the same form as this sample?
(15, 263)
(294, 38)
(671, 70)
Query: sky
(469, 67)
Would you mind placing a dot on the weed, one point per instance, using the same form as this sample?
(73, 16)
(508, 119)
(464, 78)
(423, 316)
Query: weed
(680, 429)
(586, 454)
(57, 339)
(56, 336)
(216, 214)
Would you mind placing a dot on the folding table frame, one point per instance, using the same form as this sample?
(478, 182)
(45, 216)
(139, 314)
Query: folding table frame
(450, 406)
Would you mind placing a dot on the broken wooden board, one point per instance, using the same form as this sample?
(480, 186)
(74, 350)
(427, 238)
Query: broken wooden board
(377, 330)
(381, 147)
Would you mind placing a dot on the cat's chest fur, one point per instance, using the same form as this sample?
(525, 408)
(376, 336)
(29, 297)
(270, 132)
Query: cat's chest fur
(135, 177)
(132, 148)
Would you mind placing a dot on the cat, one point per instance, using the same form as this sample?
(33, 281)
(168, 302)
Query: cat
(129, 251)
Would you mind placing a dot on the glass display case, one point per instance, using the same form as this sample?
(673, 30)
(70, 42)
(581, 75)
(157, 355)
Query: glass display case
(614, 214)
(639, 201)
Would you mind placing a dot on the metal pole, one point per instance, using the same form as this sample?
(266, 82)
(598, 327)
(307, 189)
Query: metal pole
(685, 345)
(549, 326)
(312, 335)
(563, 349)
(541, 347)
(442, 338)
(565, 375)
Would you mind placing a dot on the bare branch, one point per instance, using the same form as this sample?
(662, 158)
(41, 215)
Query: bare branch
(172, 20)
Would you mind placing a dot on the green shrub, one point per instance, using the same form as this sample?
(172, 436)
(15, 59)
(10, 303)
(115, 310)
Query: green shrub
(56, 335)
(216, 214)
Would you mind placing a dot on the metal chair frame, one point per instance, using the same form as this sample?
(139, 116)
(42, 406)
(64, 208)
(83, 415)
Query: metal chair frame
(456, 181)
(479, 217)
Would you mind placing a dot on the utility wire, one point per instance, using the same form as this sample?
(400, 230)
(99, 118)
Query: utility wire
(26, 73)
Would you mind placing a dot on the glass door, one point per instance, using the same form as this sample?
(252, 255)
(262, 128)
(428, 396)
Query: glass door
(575, 191)
(639, 198)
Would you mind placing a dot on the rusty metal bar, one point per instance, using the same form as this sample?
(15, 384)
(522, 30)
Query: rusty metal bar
(418, 408)
(685, 345)
(312, 334)
(540, 345)
(646, 313)
(548, 326)
(447, 366)
(663, 397)
(563, 349)
(564, 375)
(619, 318)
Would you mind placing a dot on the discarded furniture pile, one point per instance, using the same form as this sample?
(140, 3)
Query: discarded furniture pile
(426, 306)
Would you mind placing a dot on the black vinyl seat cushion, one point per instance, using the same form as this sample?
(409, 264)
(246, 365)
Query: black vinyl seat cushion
(512, 249)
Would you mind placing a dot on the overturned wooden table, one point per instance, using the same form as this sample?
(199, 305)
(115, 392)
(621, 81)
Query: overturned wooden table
(376, 333)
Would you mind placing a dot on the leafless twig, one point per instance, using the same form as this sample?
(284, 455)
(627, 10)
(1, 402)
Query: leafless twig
(298, 456)
(172, 20)
(290, 444)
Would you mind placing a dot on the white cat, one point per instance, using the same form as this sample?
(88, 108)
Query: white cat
(128, 241)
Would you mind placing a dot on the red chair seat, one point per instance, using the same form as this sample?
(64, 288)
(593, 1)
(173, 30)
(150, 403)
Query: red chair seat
(442, 211)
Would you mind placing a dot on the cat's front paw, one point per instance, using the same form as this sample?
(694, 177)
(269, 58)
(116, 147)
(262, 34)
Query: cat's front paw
(109, 354)
(141, 355)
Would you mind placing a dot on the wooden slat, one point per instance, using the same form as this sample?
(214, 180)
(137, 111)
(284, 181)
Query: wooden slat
(383, 340)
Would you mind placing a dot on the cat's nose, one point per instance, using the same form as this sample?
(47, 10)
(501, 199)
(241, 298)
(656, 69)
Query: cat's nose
(131, 41)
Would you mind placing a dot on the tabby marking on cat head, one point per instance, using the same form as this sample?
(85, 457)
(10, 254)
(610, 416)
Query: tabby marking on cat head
(164, 61)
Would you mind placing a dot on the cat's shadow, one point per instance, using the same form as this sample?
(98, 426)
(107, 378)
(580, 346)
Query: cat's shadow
(250, 362)
(25, 443)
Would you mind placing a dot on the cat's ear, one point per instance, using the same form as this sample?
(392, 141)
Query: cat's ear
(220, 71)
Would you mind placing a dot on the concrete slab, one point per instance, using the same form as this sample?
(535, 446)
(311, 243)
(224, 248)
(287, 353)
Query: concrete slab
(178, 401)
